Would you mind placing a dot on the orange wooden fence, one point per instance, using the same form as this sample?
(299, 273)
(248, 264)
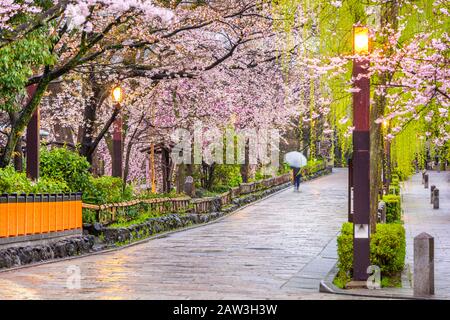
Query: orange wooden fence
(22, 215)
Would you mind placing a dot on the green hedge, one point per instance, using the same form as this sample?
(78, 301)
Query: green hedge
(63, 164)
(394, 189)
(387, 250)
(312, 167)
(107, 189)
(393, 208)
(12, 181)
(395, 179)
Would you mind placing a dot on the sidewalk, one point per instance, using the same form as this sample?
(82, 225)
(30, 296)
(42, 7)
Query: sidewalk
(419, 216)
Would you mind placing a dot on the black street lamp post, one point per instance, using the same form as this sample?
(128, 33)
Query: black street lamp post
(33, 139)
(361, 155)
(117, 168)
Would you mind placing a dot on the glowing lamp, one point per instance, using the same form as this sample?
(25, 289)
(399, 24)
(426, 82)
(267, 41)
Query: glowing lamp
(117, 94)
(361, 39)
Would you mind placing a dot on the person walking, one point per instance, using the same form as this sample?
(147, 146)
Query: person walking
(296, 160)
(297, 178)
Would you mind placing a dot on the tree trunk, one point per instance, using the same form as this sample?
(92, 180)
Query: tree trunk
(209, 184)
(166, 165)
(87, 132)
(128, 152)
(18, 156)
(88, 140)
(19, 126)
(126, 168)
(389, 13)
(245, 168)
(376, 158)
(181, 176)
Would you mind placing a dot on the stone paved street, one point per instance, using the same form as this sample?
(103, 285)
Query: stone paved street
(420, 217)
(278, 248)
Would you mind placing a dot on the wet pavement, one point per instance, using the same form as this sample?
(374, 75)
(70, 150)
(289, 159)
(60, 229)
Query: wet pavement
(278, 248)
(419, 216)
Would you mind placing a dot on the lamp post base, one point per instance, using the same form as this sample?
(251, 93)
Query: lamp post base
(354, 284)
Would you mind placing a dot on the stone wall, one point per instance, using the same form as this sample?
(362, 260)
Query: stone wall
(72, 246)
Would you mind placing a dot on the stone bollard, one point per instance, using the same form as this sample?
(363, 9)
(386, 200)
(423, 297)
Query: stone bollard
(423, 265)
(382, 212)
(431, 193)
(189, 187)
(436, 198)
(426, 180)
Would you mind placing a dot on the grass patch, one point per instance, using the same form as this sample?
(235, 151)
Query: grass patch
(392, 281)
(138, 220)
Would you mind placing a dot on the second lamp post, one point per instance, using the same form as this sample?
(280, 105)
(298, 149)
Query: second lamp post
(117, 147)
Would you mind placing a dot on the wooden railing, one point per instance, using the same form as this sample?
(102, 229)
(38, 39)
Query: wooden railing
(108, 212)
(204, 205)
(226, 198)
(23, 215)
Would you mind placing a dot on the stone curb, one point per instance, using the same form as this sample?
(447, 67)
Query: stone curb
(327, 286)
(283, 188)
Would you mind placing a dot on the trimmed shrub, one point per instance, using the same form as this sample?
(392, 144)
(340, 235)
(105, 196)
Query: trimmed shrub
(312, 167)
(394, 189)
(47, 185)
(387, 250)
(345, 254)
(393, 208)
(400, 175)
(395, 179)
(12, 181)
(226, 176)
(63, 164)
(107, 189)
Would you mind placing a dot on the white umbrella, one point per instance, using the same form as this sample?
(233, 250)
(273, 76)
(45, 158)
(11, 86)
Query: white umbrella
(295, 159)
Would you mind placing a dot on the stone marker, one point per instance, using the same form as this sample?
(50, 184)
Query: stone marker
(431, 193)
(423, 265)
(189, 187)
(426, 180)
(436, 198)
(382, 211)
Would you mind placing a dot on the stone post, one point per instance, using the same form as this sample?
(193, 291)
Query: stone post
(431, 193)
(426, 178)
(382, 211)
(423, 265)
(436, 198)
(189, 187)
